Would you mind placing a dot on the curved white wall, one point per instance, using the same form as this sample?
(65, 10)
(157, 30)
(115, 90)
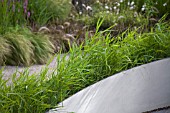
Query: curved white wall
(136, 90)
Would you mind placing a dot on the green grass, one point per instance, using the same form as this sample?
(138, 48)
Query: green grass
(102, 56)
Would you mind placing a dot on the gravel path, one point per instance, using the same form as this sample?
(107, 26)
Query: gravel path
(35, 69)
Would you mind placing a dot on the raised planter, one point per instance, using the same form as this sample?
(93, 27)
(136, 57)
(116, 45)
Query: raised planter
(140, 89)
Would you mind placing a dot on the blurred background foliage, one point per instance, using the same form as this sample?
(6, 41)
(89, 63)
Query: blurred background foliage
(43, 11)
(65, 22)
(32, 13)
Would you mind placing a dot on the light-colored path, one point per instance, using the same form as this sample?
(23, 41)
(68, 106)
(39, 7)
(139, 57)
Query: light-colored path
(137, 90)
(10, 70)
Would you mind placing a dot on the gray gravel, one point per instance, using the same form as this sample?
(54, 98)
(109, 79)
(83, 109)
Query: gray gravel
(8, 71)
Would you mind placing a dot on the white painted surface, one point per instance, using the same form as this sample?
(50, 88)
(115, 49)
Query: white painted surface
(137, 90)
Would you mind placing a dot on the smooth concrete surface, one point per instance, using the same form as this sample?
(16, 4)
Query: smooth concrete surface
(136, 90)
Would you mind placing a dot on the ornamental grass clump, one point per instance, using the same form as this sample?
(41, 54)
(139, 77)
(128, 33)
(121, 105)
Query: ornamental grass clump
(22, 49)
(5, 50)
(26, 48)
(43, 48)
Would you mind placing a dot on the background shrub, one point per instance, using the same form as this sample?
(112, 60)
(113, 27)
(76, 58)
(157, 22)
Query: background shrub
(12, 14)
(44, 10)
(31, 12)
(155, 8)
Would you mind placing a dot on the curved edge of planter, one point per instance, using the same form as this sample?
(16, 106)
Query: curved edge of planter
(140, 89)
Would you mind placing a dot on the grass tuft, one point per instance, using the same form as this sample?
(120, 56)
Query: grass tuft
(22, 49)
(26, 48)
(5, 50)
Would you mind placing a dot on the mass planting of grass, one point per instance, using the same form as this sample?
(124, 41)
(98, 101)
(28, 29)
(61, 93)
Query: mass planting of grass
(123, 34)
(102, 56)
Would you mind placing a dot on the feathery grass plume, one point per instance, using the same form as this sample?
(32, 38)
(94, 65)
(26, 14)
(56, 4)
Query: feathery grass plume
(27, 48)
(5, 50)
(43, 48)
(22, 49)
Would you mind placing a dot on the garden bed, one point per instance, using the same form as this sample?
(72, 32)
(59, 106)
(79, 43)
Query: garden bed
(99, 44)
